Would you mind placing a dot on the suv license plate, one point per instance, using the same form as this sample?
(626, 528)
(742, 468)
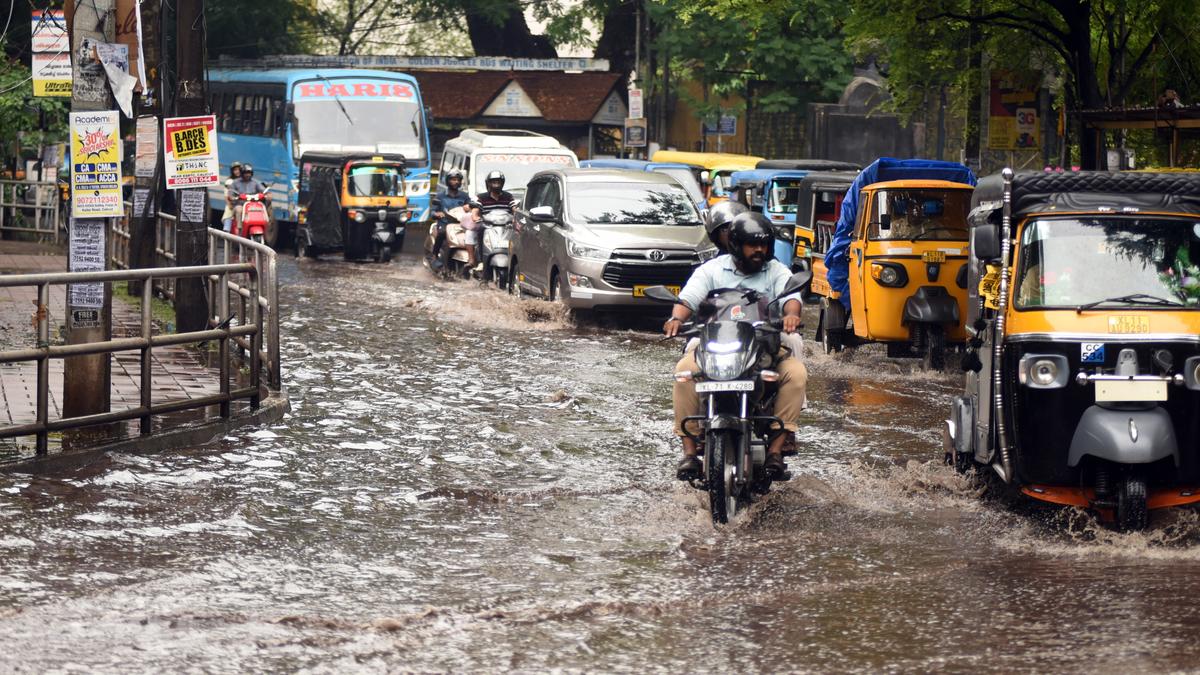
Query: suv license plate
(734, 385)
(639, 291)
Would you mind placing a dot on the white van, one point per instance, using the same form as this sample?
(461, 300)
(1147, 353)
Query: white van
(519, 154)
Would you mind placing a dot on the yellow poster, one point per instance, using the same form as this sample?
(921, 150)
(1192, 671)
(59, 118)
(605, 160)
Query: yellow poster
(52, 74)
(95, 164)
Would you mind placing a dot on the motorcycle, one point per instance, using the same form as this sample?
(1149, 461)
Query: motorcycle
(454, 259)
(736, 350)
(252, 216)
(497, 241)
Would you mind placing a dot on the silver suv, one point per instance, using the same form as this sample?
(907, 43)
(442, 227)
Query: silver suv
(598, 238)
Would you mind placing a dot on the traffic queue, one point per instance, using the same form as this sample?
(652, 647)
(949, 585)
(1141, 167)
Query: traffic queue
(1072, 299)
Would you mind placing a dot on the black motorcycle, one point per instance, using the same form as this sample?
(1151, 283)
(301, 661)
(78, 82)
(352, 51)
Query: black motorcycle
(737, 348)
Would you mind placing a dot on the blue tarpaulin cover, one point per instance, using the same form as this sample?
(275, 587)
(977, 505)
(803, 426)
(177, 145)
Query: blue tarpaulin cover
(837, 258)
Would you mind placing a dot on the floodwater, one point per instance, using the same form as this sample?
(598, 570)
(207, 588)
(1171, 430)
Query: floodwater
(468, 482)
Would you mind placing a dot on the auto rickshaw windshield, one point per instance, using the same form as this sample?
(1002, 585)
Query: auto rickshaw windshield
(376, 181)
(920, 214)
(785, 196)
(1114, 261)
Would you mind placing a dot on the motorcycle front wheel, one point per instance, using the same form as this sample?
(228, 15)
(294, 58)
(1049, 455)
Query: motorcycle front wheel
(721, 461)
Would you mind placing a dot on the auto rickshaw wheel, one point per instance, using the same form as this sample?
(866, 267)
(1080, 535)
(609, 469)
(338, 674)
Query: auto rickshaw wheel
(933, 356)
(830, 339)
(303, 250)
(383, 253)
(1132, 514)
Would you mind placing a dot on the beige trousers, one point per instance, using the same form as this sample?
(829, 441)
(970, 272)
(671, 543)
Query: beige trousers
(793, 380)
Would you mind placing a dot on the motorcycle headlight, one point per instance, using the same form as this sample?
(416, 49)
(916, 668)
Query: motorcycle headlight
(577, 250)
(1043, 371)
(724, 366)
(707, 254)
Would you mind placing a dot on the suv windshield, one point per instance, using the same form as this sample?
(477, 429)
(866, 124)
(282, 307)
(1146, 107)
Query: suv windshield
(631, 203)
(687, 179)
(920, 214)
(1111, 261)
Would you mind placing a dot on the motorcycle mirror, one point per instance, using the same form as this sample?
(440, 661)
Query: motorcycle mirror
(659, 293)
(796, 282)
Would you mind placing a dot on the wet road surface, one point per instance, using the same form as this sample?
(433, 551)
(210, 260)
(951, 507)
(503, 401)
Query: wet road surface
(470, 482)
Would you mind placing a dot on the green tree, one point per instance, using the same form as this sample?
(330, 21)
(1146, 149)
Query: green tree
(250, 30)
(21, 114)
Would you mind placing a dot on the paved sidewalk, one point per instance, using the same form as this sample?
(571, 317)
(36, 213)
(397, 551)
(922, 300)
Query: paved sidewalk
(178, 372)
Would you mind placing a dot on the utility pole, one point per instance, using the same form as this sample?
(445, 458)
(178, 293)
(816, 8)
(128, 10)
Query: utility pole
(149, 105)
(86, 379)
(191, 234)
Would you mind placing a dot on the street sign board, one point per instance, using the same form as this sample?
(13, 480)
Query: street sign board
(725, 126)
(51, 74)
(49, 31)
(635, 133)
(190, 151)
(635, 104)
(95, 164)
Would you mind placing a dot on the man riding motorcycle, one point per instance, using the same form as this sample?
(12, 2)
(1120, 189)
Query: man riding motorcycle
(717, 224)
(750, 265)
(245, 185)
(495, 198)
(449, 196)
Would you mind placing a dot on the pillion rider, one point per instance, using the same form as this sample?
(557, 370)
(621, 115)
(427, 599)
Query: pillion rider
(750, 265)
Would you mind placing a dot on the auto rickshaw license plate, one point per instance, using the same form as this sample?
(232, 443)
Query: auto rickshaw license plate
(933, 256)
(1130, 391)
(1127, 325)
(640, 290)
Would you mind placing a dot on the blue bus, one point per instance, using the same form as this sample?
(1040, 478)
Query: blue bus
(270, 118)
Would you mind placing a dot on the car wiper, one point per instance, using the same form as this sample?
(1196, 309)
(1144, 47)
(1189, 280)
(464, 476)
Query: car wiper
(337, 98)
(1133, 299)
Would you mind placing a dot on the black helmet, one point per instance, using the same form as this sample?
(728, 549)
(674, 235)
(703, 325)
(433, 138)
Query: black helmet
(721, 215)
(495, 175)
(246, 168)
(750, 228)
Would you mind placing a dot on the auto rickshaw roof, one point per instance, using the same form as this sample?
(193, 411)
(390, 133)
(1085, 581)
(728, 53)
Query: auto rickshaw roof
(807, 165)
(838, 179)
(1087, 191)
(341, 158)
(761, 176)
(917, 183)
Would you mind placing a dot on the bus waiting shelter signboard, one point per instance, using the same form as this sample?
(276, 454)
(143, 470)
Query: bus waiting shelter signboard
(190, 151)
(95, 164)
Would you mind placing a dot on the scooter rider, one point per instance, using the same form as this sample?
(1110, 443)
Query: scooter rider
(235, 172)
(495, 198)
(750, 265)
(246, 185)
(717, 224)
(449, 195)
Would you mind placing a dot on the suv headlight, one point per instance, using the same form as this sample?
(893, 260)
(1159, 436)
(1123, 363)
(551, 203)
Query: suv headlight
(707, 254)
(577, 250)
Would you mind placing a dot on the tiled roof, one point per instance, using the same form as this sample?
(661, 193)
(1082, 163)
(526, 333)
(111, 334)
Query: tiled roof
(562, 97)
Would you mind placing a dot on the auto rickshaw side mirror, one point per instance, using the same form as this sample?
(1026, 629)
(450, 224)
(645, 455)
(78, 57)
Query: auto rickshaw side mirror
(885, 222)
(985, 241)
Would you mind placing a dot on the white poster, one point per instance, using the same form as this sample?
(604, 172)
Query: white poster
(86, 254)
(51, 74)
(140, 196)
(190, 151)
(115, 59)
(635, 104)
(49, 31)
(146, 151)
(192, 206)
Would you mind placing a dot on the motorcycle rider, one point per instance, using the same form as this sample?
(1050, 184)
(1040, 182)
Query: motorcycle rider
(750, 265)
(449, 195)
(717, 224)
(245, 185)
(496, 197)
(235, 172)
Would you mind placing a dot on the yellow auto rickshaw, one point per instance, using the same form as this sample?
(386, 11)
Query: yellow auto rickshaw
(895, 271)
(1083, 372)
(355, 204)
(718, 165)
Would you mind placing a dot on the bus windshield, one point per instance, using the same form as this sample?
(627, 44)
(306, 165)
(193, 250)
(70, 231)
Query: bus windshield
(1110, 261)
(356, 115)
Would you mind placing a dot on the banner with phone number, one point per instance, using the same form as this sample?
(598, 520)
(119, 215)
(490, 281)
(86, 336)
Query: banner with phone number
(190, 151)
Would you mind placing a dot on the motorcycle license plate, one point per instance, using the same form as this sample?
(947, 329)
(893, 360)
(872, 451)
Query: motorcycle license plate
(933, 257)
(734, 385)
(639, 291)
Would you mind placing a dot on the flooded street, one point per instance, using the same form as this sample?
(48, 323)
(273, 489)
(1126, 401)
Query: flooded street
(468, 482)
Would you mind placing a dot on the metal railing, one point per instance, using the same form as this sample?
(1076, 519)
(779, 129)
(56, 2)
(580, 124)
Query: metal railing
(250, 329)
(30, 206)
(120, 239)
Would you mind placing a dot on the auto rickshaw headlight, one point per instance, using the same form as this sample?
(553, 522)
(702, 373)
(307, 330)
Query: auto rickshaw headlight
(358, 216)
(1191, 372)
(1043, 371)
(889, 274)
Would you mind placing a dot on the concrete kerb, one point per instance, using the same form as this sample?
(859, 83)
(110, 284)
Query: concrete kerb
(271, 409)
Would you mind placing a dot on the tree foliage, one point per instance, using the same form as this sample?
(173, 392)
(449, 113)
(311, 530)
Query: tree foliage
(20, 110)
(253, 29)
(796, 45)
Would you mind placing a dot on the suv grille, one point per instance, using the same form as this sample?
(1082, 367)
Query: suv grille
(633, 267)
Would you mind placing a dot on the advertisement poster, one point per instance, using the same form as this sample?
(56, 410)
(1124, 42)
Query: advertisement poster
(89, 81)
(1012, 112)
(190, 151)
(95, 164)
(635, 133)
(51, 74)
(115, 59)
(86, 255)
(49, 31)
(146, 151)
(193, 206)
